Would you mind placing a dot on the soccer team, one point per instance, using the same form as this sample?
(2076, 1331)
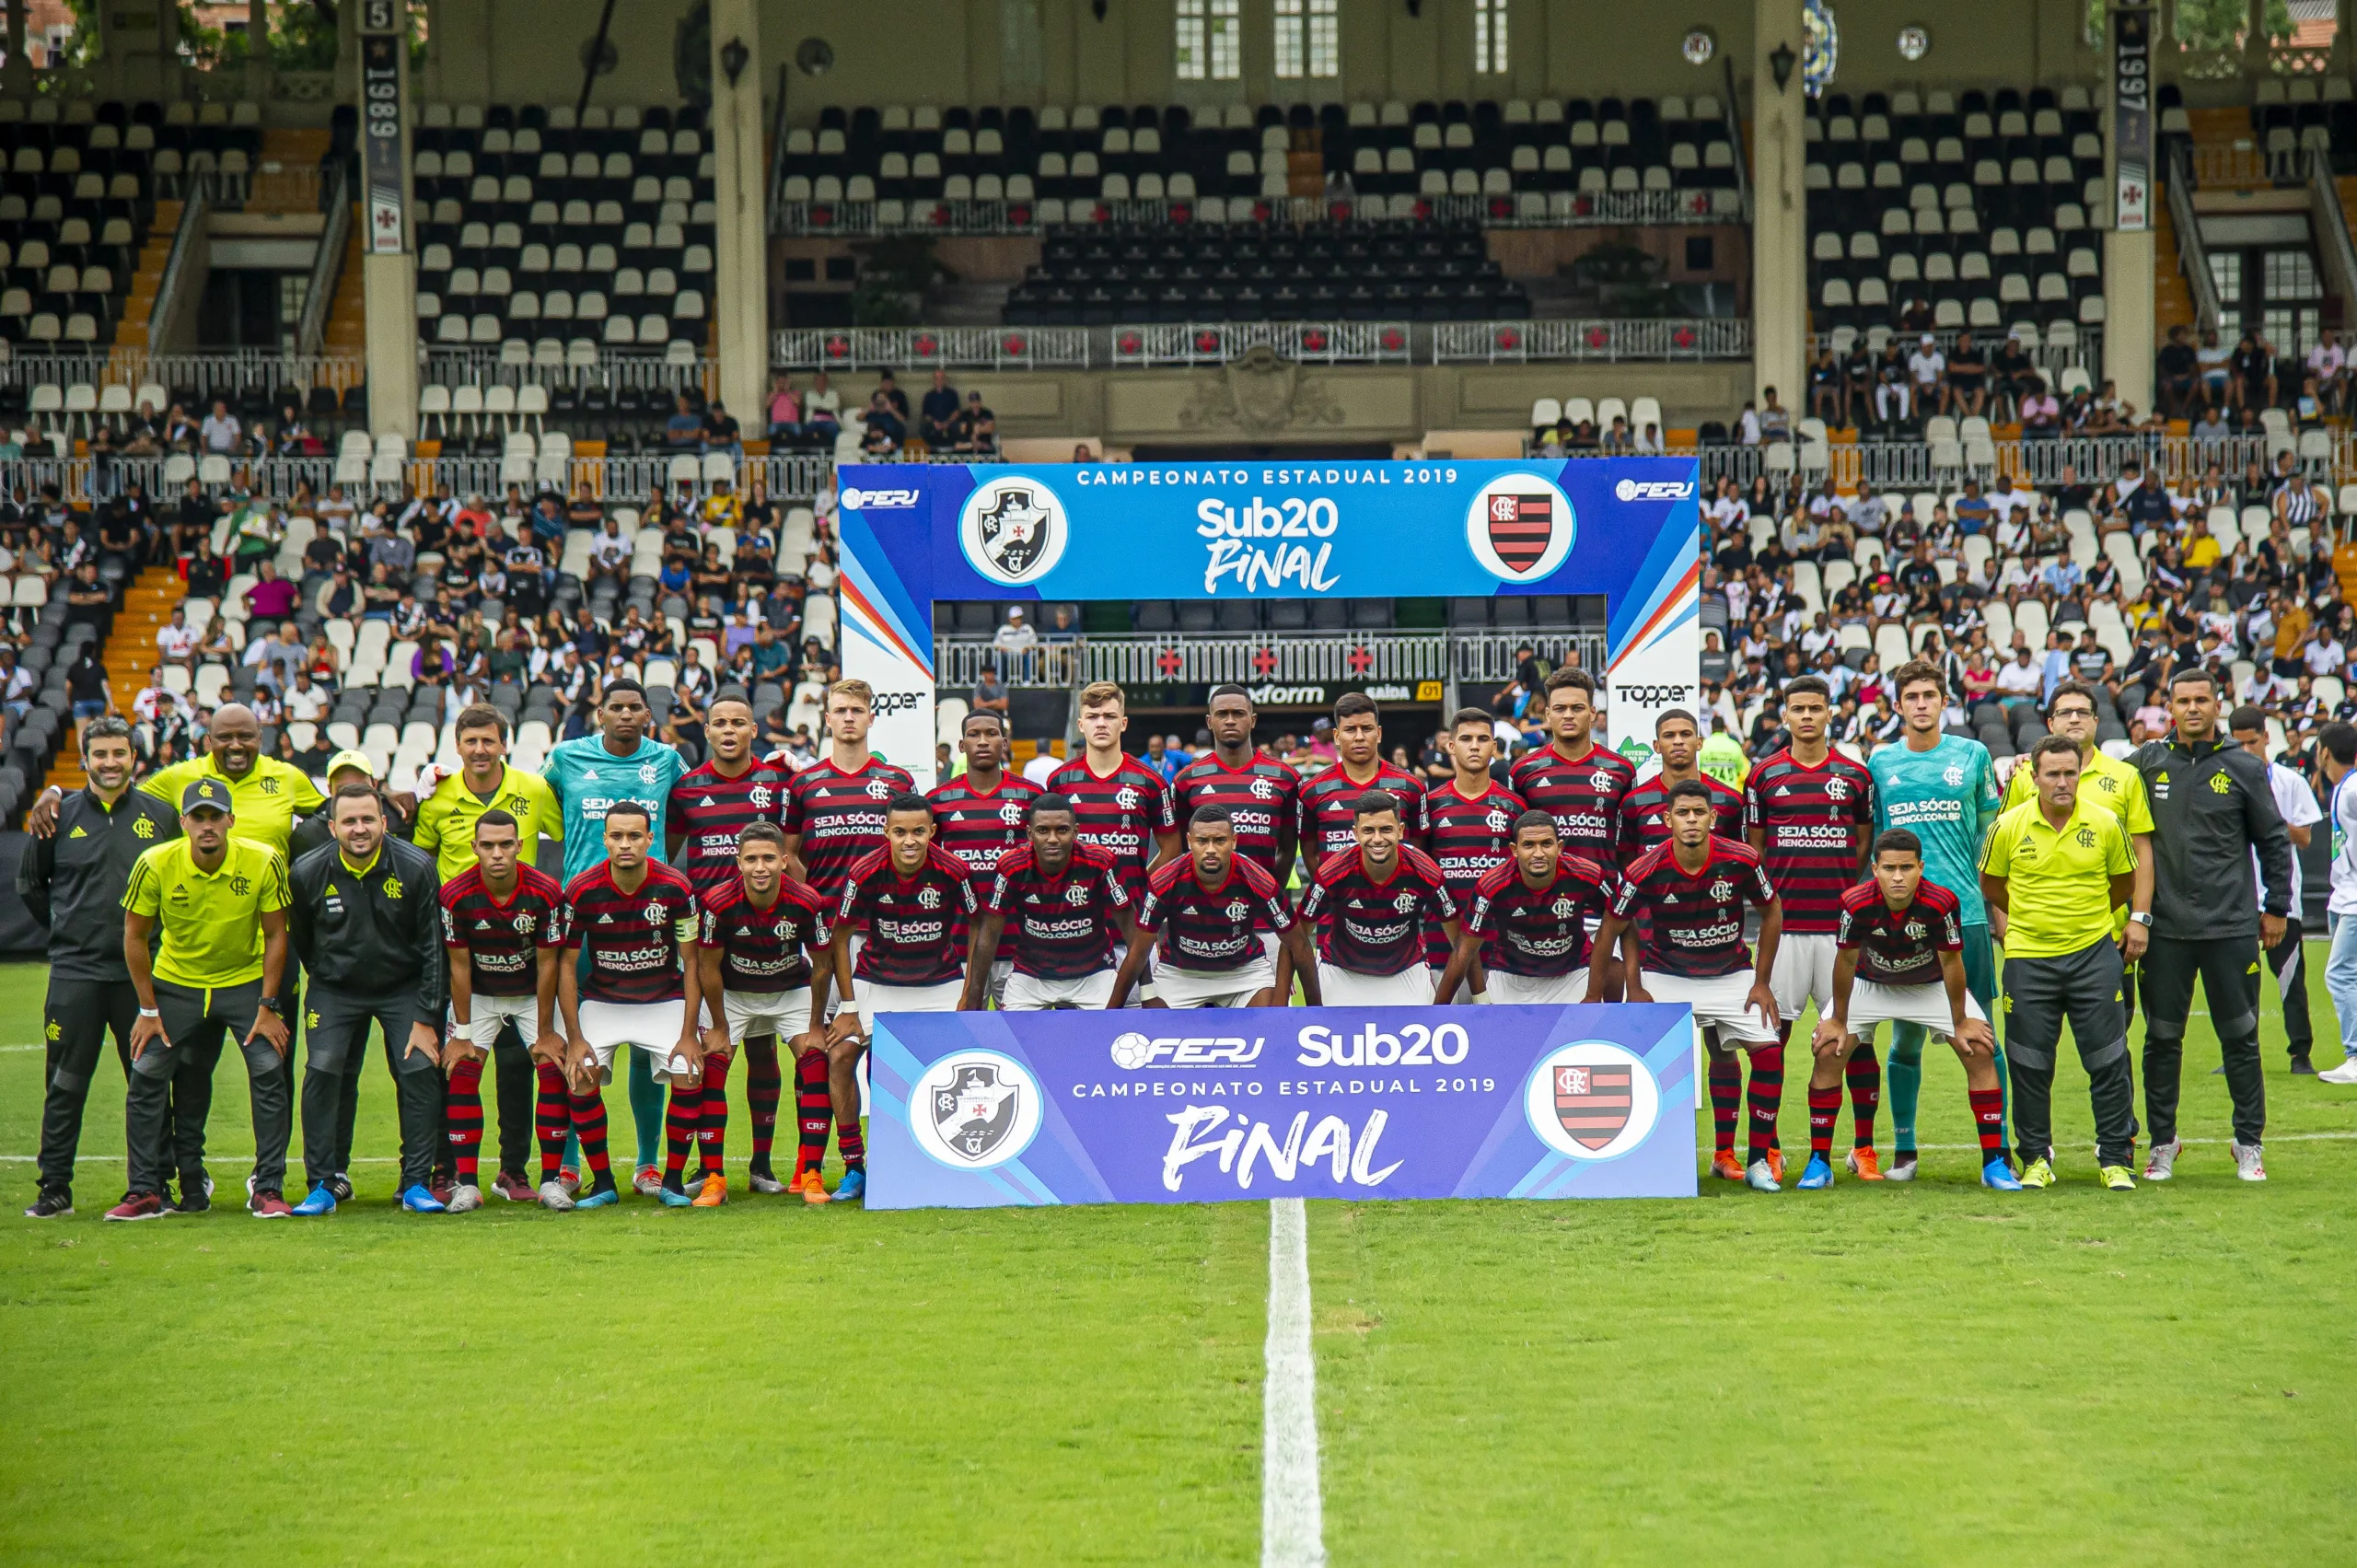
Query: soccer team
(742, 907)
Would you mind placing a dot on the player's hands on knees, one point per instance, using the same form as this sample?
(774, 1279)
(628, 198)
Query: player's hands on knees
(715, 1044)
(577, 1065)
(145, 1032)
(1831, 1041)
(1975, 1038)
(845, 1026)
(269, 1026)
(805, 1042)
(1635, 993)
(425, 1040)
(1763, 1001)
(549, 1047)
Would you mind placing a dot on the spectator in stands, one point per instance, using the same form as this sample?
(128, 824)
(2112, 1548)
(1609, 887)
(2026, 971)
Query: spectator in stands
(87, 597)
(2252, 381)
(272, 598)
(785, 408)
(935, 412)
(2177, 373)
(1857, 383)
(822, 409)
(1775, 424)
(2013, 375)
(1746, 426)
(887, 428)
(894, 397)
(990, 695)
(1824, 399)
(2328, 363)
(339, 597)
(2020, 680)
(176, 640)
(306, 701)
(683, 432)
(976, 428)
(610, 553)
(1965, 390)
(1927, 370)
(1016, 640)
(221, 433)
(720, 432)
(2324, 654)
(2296, 505)
(1894, 386)
(2216, 362)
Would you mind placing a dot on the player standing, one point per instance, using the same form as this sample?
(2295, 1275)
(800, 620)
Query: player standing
(978, 816)
(1069, 904)
(1901, 946)
(1811, 814)
(1260, 795)
(1526, 933)
(1577, 780)
(2337, 756)
(1328, 800)
(1687, 898)
(1123, 805)
(1217, 913)
(1467, 823)
(1371, 904)
(2296, 803)
(1645, 810)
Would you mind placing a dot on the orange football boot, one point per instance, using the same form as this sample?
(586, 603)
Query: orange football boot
(1864, 1165)
(1727, 1166)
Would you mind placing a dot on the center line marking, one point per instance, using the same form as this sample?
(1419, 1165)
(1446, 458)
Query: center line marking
(1292, 1518)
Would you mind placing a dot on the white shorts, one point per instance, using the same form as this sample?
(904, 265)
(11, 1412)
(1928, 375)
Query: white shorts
(1214, 988)
(1538, 990)
(1029, 994)
(1121, 956)
(1926, 1005)
(870, 999)
(1720, 1001)
(486, 1016)
(752, 1013)
(1411, 987)
(652, 1026)
(1804, 973)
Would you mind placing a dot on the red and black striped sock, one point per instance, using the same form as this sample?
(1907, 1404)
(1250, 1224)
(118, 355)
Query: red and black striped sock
(1766, 1095)
(1989, 1121)
(680, 1124)
(1824, 1110)
(765, 1086)
(1726, 1099)
(712, 1133)
(814, 1111)
(589, 1126)
(1864, 1076)
(551, 1117)
(852, 1144)
(462, 1109)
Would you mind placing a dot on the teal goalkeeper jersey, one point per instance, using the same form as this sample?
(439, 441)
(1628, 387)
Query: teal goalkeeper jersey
(1947, 797)
(589, 780)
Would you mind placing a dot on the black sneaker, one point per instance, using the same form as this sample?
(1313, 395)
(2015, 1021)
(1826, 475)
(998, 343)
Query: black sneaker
(194, 1200)
(340, 1185)
(2303, 1068)
(55, 1203)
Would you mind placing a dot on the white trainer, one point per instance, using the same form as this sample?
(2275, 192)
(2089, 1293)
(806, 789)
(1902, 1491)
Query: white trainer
(2344, 1073)
(762, 1182)
(2248, 1163)
(467, 1197)
(648, 1181)
(554, 1196)
(2163, 1163)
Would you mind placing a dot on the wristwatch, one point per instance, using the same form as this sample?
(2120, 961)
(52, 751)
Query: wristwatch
(2142, 918)
(274, 1005)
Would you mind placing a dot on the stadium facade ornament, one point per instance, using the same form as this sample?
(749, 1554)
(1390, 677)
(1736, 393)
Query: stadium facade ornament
(1259, 394)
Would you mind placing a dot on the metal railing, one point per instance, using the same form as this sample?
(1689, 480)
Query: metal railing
(2192, 258)
(489, 366)
(1579, 209)
(1496, 342)
(2233, 164)
(82, 481)
(327, 265)
(1916, 465)
(1269, 658)
(1216, 343)
(230, 372)
(999, 348)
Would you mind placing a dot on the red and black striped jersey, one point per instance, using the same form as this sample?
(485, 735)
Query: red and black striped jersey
(910, 923)
(978, 827)
(1376, 928)
(1817, 821)
(1120, 813)
(1901, 946)
(1644, 815)
(635, 940)
(1691, 922)
(1467, 836)
(839, 817)
(1538, 931)
(1329, 802)
(501, 940)
(1212, 928)
(1584, 795)
(1263, 801)
(711, 808)
(1061, 928)
(764, 949)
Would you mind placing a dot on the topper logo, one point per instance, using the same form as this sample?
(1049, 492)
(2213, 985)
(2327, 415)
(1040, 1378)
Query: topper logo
(1138, 1053)
(879, 500)
(887, 704)
(1652, 490)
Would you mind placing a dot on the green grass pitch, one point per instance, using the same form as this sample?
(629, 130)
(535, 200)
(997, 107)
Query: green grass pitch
(1934, 1374)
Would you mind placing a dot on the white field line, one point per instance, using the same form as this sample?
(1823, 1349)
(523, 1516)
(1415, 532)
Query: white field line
(1292, 1518)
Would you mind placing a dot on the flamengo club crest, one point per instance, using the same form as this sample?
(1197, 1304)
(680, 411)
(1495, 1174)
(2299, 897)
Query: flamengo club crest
(974, 1110)
(1721, 890)
(1520, 527)
(1591, 1100)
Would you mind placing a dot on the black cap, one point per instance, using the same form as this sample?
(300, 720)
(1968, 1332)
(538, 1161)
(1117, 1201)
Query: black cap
(210, 792)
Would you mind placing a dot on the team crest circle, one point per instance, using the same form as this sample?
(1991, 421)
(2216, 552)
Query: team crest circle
(1520, 527)
(1012, 530)
(1591, 1100)
(975, 1109)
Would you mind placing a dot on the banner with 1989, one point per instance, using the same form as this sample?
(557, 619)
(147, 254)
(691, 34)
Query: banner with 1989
(1160, 1105)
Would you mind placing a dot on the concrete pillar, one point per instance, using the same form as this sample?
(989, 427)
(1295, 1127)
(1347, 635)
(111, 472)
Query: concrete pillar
(17, 80)
(1779, 206)
(741, 252)
(387, 278)
(2128, 346)
(257, 51)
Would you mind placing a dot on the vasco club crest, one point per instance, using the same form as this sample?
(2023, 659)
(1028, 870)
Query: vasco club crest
(979, 1109)
(1013, 529)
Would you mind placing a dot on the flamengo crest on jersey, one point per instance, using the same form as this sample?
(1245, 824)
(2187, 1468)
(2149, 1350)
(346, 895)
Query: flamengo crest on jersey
(764, 949)
(1263, 802)
(839, 817)
(1376, 928)
(1329, 807)
(1538, 931)
(634, 938)
(1901, 946)
(1060, 927)
(1817, 822)
(1693, 924)
(501, 940)
(1585, 798)
(910, 925)
(1212, 928)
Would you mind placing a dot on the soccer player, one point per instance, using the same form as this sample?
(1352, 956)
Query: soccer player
(1577, 780)
(1687, 899)
(2213, 809)
(2052, 873)
(367, 918)
(1217, 913)
(1371, 904)
(1260, 795)
(978, 816)
(759, 929)
(214, 908)
(909, 900)
(1526, 932)
(72, 882)
(1467, 823)
(1811, 812)
(2296, 803)
(591, 774)
(709, 806)
(635, 987)
(2337, 755)
(1645, 810)
(1901, 945)
(1328, 800)
(503, 922)
(1943, 789)
(1123, 805)
(1069, 904)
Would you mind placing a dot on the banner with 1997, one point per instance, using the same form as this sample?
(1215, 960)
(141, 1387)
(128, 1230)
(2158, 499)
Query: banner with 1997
(1158, 1106)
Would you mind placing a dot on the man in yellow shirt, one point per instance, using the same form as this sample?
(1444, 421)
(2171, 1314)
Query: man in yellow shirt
(2053, 872)
(219, 903)
(447, 817)
(267, 795)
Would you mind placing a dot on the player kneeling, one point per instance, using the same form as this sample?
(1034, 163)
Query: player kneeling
(1526, 937)
(1372, 905)
(754, 949)
(1067, 903)
(1687, 898)
(1211, 910)
(1900, 960)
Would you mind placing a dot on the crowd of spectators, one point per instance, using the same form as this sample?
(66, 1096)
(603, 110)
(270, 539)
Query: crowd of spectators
(942, 421)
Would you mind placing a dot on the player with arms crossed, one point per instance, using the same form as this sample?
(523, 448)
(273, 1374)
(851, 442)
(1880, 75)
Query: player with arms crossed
(1329, 802)
(979, 815)
(1901, 959)
(1686, 897)
(1467, 823)
(1371, 904)
(1214, 909)
(1579, 781)
(1811, 814)
(1069, 906)
(758, 930)
(1525, 935)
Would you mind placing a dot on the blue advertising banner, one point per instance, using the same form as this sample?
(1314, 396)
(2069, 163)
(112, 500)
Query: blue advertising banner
(1156, 1106)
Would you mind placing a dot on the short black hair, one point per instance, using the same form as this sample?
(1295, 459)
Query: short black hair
(730, 694)
(1228, 689)
(2050, 745)
(761, 833)
(991, 715)
(1374, 802)
(1205, 816)
(1052, 800)
(1350, 703)
(353, 791)
(908, 800)
(620, 684)
(1669, 713)
(2190, 672)
(1800, 685)
(2339, 740)
(2247, 717)
(1572, 675)
(1534, 819)
(1899, 839)
(1464, 716)
(2073, 689)
(637, 808)
(495, 818)
(1687, 789)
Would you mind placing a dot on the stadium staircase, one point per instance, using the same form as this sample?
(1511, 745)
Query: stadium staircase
(147, 604)
(139, 307)
(347, 328)
(284, 179)
(2172, 296)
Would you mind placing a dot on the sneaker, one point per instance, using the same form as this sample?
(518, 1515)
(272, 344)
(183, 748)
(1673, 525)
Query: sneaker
(2303, 1068)
(444, 1190)
(2039, 1172)
(570, 1179)
(764, 1181)
(852, 1184)
(269, 1204)
(465, 1198)
(2117, 1178)
(714, 1192)
(195, 1203)
(1776, 1163)
(647, 1182)
(2344, 1073)
(1817, 1177)
(598, 1198)
(2000, 1174)
(672, 1197)
(139, 1206)
(814, 1187)
(1902, 1166)
(1760, 1177)
(514, 1187)
(419, 1199)
(55, 1203)
(320, 1201)
(1864, 1165)
(554, 1196)
(1725, 1166)
(2162, 1164)
(2248, 1163)
(340, 1185)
